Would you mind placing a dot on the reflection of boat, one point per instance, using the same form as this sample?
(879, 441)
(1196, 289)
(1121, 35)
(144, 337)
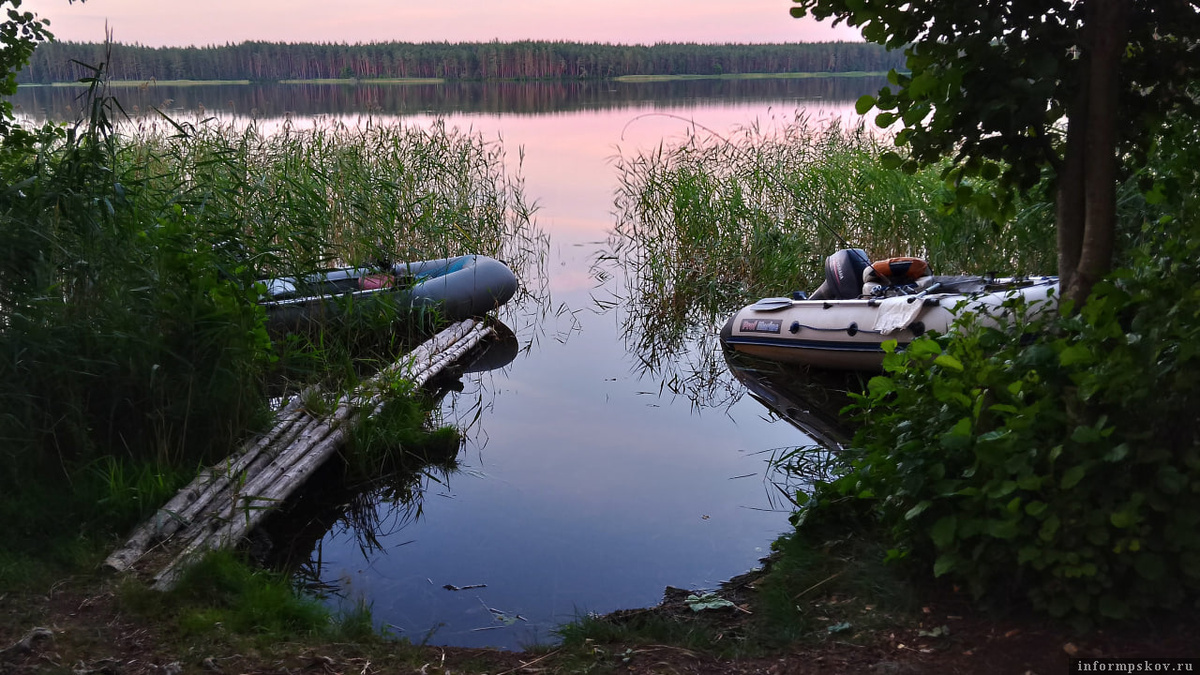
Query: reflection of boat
(496, 352)
(841, 328)
(455, 288)
(811, 402)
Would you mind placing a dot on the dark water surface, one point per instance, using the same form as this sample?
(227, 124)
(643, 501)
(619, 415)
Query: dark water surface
(589, 480)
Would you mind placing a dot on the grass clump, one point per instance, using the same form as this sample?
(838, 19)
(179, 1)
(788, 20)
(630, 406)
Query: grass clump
(830, 584)
(224, 597)
(399, 437)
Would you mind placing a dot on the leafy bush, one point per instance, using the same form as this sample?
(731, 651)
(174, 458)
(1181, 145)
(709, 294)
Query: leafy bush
(1056, 460)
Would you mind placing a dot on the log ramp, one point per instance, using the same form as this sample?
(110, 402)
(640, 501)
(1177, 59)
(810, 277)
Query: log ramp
(226, 501)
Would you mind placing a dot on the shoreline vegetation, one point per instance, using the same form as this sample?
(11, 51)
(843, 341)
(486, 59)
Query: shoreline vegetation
(441, 80)
(480, 61)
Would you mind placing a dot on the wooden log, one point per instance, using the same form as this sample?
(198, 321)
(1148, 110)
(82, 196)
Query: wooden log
(237, 508)
(246, 512)
(286, 451)
(178, 512)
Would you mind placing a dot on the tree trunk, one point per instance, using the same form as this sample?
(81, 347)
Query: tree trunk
(1069, 206)
(1107, 33)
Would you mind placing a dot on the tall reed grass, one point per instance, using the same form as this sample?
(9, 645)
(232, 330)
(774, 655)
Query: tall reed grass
(758, 212)
(129, 324)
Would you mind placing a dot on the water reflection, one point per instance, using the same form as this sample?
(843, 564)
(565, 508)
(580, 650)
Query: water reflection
(811, 400)
(372, 512)
(550, 97)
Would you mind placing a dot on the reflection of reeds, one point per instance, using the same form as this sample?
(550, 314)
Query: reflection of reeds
(369, 512)
(708, 224)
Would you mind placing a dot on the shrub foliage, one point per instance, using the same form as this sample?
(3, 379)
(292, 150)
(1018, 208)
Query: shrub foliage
(1056, 460)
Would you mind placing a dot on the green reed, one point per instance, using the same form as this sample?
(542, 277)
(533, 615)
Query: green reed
(330, 193)
(756, 214)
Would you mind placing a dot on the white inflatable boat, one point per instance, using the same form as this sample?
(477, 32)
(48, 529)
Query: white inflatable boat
(844, 322)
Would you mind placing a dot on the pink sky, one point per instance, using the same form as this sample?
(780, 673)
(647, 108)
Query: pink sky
(174, 22)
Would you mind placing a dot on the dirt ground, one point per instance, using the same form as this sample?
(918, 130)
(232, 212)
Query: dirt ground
(83, 631)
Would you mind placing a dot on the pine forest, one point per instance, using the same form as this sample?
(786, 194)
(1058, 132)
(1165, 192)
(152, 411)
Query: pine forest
(271, 62)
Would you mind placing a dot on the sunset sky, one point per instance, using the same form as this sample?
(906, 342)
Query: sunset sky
(216, 22)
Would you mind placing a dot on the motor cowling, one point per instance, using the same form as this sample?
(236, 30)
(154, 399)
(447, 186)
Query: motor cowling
(843, 275)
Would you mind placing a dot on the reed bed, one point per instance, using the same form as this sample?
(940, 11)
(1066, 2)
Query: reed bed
(306, 196)
(758, 212)
(129, 327)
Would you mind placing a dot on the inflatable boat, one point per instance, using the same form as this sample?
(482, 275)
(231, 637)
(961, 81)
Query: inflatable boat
(862, 304)
(453, 288)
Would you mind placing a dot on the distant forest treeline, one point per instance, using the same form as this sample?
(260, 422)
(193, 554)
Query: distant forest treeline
(268, 61)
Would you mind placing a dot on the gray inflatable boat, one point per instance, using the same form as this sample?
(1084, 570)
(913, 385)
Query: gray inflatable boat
(451, 289)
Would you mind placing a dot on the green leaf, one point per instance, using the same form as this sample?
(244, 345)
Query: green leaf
(923, 347)
(1049, 528)
(1123, 519)
(994, 435)
(707, 601)
(918, 509)
(1030, 482)
(945, 563)
(961, 428)
(864, 104)
(1084, 434)
(1036, 509)
(942, 531)
(1118, 453)
(880, 385)
(947, 361)
(875, 31)
(1072, 476)
(1028, 554)
(1075, 354)
(1002, 529)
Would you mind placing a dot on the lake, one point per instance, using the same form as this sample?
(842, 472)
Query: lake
(592, 476)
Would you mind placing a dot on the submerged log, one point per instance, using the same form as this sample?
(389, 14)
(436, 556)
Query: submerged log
(228, 500)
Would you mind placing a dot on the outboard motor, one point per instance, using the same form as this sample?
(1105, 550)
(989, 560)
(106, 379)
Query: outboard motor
(843, 275)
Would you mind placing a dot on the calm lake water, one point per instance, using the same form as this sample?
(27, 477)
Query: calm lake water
(589, 480)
